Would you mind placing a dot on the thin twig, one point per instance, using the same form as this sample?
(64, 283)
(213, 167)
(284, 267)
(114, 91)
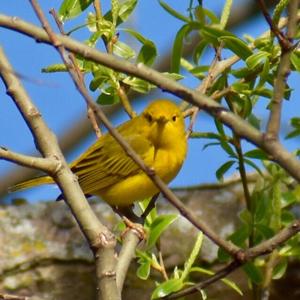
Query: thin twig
(205, 283)
(283, 41)
(90, 112)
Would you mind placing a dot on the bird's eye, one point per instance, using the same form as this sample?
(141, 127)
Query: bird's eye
(149, 117)
(174, 118)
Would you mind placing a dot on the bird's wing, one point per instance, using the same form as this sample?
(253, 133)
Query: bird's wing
(106, 163)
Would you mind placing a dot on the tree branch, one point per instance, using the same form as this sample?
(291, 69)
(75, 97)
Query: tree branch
(283, 71)
(127, 253)
(43, 164)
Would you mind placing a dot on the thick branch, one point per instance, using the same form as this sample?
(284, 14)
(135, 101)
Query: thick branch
(43, 164)
(126, 255)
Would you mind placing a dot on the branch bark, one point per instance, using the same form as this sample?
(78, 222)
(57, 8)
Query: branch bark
(283, 71)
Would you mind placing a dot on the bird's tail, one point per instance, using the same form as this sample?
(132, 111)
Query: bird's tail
(31, 183)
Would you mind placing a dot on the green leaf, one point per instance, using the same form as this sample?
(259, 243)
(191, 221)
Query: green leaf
(226, 13)
(253, 272)
(254, 121)
(123, 50)
(199, 50)
(55, 68)
(256, 153)
(167, 287)
(173, 76)
(108, 97)
(228, 282)
(201, 13)
(293, 134)
(254, 60)
(177, 48)
(143, 270)
(205, 135)
(223, 169)
(115, 10)
(148, 51)
(213, 33)
(138, 85)
(160, 224)
(126, 8)
(195, 252)
(240, 236)
(264, 92)
(225, 145)
(295, 60)
(173, 12)
(253, 165)
(237, 46)
(72, 8)
(280, 269)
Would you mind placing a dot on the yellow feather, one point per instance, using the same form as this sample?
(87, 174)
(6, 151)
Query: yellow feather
(157, 135)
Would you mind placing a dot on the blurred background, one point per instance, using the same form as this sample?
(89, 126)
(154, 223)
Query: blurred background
(65, 111)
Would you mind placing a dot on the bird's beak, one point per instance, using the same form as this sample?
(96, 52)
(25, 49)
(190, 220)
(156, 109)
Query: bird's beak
(162, 120)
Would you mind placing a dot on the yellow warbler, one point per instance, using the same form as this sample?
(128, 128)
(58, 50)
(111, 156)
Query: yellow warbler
(157, 135)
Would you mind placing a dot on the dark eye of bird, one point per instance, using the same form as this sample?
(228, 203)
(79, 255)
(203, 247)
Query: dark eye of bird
(149, 117)
(174, 118)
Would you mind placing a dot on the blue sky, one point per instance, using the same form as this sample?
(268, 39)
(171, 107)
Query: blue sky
(61, 105)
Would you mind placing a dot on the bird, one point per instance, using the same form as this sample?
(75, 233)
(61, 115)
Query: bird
(157, 135)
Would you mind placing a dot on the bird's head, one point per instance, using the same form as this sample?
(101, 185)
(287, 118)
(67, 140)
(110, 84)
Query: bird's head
(165, 122)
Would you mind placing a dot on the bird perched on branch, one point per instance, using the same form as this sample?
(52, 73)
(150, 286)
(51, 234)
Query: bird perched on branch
(157, 135)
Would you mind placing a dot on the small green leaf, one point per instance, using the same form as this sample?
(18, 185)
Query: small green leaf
(201, 13)
(160, 224)
(72, 8)
(143, 270)
(167, 287)
(212, 34)
(237, 46)
(55, 68)
(253, 272)
(123, 50)
(173, 76)
(280, 269)
(226, 146)
(173, 12)
(138, 85)
(223, 169)
(254, 121)
(256, 59)
(108, 97)
(126, 8)
(253, 165)
(228, 282)
(199, 50)
(295, 60)
(256, 153)
(177, 48)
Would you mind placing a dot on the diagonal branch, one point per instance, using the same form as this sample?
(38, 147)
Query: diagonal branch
(43, 164)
